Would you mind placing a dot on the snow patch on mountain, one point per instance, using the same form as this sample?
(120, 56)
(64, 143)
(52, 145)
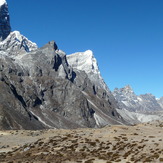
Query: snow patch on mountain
(2, 2)
(84, 61)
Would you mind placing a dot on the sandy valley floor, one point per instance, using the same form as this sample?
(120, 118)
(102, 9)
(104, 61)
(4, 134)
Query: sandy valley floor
(125, 144)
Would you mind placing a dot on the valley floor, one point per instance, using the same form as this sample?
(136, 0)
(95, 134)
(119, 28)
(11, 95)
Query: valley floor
(125, 144)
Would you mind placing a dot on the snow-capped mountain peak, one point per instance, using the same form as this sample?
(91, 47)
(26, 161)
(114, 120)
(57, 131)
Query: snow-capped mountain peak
(129, 100)
(84, 61)
(2, 2)
(16, 43)
(12, 43)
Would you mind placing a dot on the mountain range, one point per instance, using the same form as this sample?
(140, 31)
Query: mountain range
(137, 109)
(44, 88)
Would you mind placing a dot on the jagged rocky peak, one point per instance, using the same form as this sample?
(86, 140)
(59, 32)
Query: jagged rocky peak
(5, 27)
(51, 44)
(12, 43)
(126, 89)
(124, 93)
(16, 44)
(85, 61)
(127, 99)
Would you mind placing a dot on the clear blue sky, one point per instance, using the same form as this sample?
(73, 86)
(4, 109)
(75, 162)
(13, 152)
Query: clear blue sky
(126, 36)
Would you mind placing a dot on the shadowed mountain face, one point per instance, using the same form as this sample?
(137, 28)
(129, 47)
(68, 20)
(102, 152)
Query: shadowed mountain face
(5, 28)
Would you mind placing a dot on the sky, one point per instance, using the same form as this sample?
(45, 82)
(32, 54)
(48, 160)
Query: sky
(126, 36)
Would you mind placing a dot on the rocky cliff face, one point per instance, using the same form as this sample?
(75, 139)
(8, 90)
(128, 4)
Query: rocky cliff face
(40, 88)
(86, 62)
(5, 28)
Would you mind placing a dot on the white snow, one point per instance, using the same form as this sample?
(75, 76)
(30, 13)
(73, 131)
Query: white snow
(14, 40)
(84, 61)
(139, 99)
(18, 35)
(2, 2)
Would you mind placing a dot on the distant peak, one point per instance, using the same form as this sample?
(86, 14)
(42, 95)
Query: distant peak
(128, 87)
(2, 2)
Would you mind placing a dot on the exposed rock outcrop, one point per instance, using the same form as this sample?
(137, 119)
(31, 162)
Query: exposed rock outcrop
(5, 27)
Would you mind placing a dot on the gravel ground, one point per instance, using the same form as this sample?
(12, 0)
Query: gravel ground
(125, 144)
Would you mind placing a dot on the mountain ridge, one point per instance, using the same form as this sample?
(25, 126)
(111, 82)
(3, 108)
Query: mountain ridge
(138, 108)
(140, 103)
(42, 90)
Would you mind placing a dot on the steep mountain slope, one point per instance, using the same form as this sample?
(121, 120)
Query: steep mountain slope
(86, 62)
(39, 89)
(42, 87)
